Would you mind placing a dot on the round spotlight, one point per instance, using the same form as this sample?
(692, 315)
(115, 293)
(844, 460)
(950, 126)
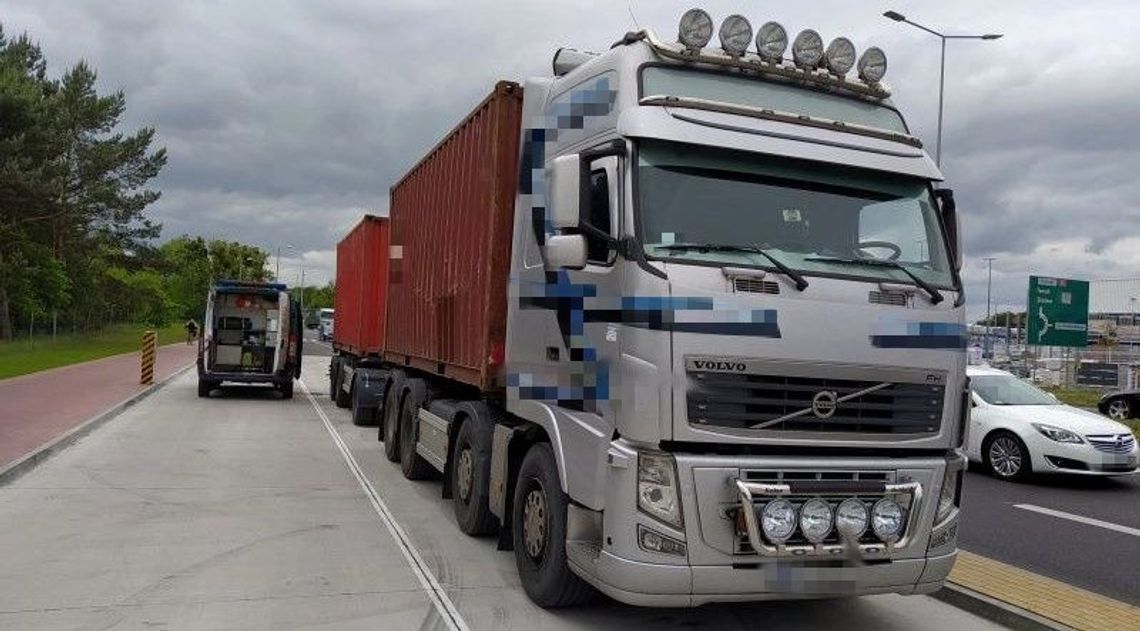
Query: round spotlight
(873, 65)
(887, 519)
(840, 55)
(778, 520)
(851, 518)
(735, 35)
(807, 50)
(696, 29)
(815, 520)
(771, 41)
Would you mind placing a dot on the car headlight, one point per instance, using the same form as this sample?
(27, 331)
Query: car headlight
(851, 518)
(887, 519)
(815, 520)
(657, 488)
(948, 498)
(778, 520)
(1057, 434)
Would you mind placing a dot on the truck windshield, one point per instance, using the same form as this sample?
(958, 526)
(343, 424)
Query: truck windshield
(816, 218)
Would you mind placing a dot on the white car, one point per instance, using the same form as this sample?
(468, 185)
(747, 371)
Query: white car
(1017, 429)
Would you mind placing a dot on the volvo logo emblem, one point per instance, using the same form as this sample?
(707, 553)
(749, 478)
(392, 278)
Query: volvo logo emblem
(824, 403)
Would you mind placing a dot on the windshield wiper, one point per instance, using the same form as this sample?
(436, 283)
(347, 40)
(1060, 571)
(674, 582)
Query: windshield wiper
(797, 278)
(935, 295)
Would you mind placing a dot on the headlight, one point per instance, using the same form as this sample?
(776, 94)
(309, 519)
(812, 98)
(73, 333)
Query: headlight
(851, 518)
(696, 29)
(887, 519)
(948, 498)
(840, 55)
(815, 520)
(1057, 434)
(657, 488)
(735, 35)
(807, 50)
(771, 41)
(778, 520)
(873, 65)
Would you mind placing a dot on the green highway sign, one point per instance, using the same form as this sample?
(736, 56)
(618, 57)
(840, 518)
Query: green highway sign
(1058, 312)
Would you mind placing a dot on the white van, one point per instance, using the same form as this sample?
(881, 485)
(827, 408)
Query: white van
(251, 334)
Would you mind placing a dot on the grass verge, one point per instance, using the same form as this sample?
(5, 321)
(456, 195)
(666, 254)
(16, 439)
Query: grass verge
(23, 357)
(1087, 398)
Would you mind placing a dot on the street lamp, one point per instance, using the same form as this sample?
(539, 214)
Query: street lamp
(989, 284)
(277, 271)
(898, 17)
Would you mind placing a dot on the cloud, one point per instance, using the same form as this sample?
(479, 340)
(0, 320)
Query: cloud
(287, 121)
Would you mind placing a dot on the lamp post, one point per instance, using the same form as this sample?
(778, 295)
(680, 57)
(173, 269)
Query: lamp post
(989, 284)
(898, 17)
(277, 270)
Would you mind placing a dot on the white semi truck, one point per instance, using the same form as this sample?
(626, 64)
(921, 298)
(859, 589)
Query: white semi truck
(708, 345)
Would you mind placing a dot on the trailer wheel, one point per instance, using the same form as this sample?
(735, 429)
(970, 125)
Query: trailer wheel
(412, 464)
(343, 399)
(286, 388)
(361, 416)
(538, 530)
(204, 387)
(334, 373)
(470, 484)
(392, 405)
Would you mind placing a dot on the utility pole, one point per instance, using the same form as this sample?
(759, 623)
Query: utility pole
(989, 285)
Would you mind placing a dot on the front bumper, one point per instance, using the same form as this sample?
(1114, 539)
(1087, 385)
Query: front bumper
(1050, 456)
(718, 564)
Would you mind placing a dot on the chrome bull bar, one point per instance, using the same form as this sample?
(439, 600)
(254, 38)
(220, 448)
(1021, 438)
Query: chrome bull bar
(749, 492)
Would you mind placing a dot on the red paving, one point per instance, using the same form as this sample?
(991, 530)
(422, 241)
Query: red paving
(38, 407)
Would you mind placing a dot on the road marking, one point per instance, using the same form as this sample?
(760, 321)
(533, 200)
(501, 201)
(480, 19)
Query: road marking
(1135, 532)
(435, 591)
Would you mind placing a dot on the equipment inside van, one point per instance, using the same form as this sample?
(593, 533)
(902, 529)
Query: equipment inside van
(252, 334)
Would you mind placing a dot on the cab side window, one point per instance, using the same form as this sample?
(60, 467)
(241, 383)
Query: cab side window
(599, 216)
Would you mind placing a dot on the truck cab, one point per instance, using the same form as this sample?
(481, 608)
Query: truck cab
(737, 318)
(251, 334)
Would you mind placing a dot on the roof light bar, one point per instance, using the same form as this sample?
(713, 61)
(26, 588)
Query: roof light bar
(735, 35)
(696, 29)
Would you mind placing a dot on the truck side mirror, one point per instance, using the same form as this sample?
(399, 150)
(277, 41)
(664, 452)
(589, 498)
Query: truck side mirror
(564, 191)
(565, 251)
(949, 210)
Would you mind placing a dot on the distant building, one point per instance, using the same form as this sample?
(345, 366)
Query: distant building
(1113, 311)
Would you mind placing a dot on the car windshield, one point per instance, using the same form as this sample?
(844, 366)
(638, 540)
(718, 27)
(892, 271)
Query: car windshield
(1008, 390)
(817, 218)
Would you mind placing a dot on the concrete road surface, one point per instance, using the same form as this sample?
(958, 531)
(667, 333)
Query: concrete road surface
(314, 346)
(1079, 530)
(38, 407)
(245, 511)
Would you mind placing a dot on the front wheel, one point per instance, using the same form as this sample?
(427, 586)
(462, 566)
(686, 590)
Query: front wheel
(538, 530)
(1007, 457)
(470, 484)
(1119, 410)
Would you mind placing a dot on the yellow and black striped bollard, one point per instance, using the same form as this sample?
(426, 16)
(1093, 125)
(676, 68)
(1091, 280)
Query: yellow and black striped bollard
(150, 344)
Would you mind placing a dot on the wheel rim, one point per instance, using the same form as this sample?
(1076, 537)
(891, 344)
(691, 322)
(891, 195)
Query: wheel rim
(464, 470)
(534, 522)
(1005, 456)
(1118, 410)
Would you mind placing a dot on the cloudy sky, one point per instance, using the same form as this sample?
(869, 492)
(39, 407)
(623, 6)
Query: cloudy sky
(286, 121)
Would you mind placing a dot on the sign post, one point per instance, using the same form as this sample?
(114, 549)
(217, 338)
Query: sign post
(149, 346)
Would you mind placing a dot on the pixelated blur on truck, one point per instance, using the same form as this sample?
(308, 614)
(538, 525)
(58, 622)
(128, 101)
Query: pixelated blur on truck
(677, 323)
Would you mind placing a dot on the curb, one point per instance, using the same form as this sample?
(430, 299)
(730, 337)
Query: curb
(995, 610)
(41, 454)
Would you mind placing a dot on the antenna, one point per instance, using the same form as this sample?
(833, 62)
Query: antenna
(633, 17)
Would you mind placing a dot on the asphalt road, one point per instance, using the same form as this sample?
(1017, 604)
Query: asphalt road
(245, 511)
(314, 346)
(1096, 557)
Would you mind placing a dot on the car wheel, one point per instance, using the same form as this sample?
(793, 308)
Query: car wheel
(1119, 410)
(538, 531)
(1006, 456)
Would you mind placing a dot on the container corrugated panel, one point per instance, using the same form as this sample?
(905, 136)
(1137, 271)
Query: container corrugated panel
(451, 221)
(361, 285)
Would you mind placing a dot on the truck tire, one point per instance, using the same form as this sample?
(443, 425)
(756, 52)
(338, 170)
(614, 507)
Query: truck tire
(287, 389)
(361, 416)
(204, 387)
(392, 405)
(334, 373)
(340, 397)
(538, 530)
(471, 484)
(412, 464)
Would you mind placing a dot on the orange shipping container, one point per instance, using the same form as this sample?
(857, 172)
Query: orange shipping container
(451, 222)
(361, 282)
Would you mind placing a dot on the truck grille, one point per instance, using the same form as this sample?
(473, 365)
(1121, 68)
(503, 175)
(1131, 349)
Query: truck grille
(1112, 443)
(743, 400)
